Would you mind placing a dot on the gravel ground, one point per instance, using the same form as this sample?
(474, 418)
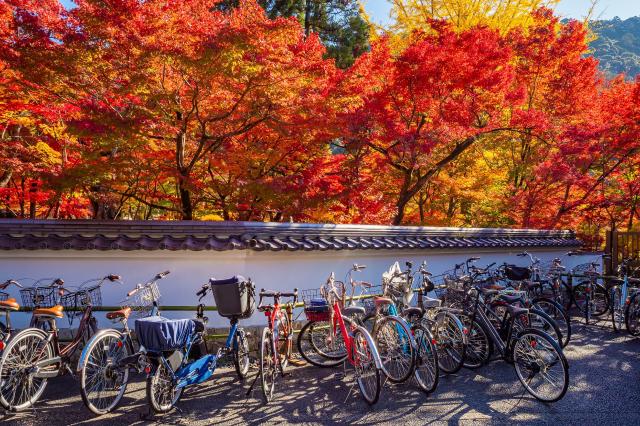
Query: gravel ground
(604, 389)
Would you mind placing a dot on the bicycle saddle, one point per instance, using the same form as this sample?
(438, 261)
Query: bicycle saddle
(9, 305)
(353, 310)
(381, 301)
(122, 313)
(53, 312)
(410, 312)
(509, 298)
(515, 310)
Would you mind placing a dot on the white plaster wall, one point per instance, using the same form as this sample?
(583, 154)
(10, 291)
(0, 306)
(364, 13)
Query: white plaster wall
(269, 270)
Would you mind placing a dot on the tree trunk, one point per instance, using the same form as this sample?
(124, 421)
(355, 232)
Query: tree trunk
(307, 17)
(183, 176)
(5, 178)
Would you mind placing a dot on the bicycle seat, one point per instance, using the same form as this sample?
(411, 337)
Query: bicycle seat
(53, 312)
(515, 311)
(430, 302)
(489, 291)
(410, 312)
(353, 310)
(509, 298)
(9, 305)
(122, 313)
(381, 301)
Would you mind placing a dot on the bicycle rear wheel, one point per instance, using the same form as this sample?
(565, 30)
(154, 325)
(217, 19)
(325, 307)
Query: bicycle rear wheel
(479, 344)
(632, 315)
(598, 301)
(162, 394)
(19, 388)
(450, 340)
(540, 365)
(540, 321)
(320, 343)
(102, 382)
(396, 348)
(427, 372)
(241, 354)
(366, 371)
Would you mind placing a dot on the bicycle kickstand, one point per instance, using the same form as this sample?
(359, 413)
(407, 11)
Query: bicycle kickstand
(253, 384)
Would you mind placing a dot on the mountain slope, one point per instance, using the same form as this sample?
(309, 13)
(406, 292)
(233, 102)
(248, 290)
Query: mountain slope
(618, 45)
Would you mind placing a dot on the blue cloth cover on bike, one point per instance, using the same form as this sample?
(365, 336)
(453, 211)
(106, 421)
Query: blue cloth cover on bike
(317, 305)
(162, 334)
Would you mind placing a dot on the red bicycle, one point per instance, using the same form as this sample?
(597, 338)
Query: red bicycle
(275, 343)
(331, 337)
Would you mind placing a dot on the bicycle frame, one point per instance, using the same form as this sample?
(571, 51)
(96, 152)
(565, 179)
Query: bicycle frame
(481, 316)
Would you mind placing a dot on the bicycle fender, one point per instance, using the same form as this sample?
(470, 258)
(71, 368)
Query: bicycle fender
(82, 361)
(372, 345)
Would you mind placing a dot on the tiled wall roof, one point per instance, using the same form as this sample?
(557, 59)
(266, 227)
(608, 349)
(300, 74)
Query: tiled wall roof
(193, 235)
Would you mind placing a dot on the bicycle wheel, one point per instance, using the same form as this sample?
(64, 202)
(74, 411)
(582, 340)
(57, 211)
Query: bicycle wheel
(268, 368)
(320, 343)
(537, 319)
(617, 308)
(4, 332)
(394, 343)
(632, 315)
(102, 383)
(479, 344)
(451, 341)
(366, 372)
(284, 341)
(558, 314)
(599, 300)
(427, 372)
(540, 365)
(19, 388)
(161, 392)
(241, 354)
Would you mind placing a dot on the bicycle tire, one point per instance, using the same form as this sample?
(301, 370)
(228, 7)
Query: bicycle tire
(334, 352)
(617, 308)
(450, 340)
(479, 345)
(153, 383)
(284, 341)
(28, 338)
(543, 342)
(107, 339)
(395, 346)
(241, 360)
(598, 289)
(560, 316)
(632, 315)
(427, 371)
(362, 356)
(268, 371)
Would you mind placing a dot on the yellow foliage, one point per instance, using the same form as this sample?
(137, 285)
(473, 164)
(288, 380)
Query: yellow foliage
(463, 14)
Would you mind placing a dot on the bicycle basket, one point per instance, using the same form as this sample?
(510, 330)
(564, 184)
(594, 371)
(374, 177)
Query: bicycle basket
(78, 300)
(517, 273)
(3, 296)
(142, 301)
(39, 297)
(316, 307)
(235, 297)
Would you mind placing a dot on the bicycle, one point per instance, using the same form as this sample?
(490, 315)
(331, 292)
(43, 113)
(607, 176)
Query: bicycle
(406, 335)
(109, 356)
(591, 297)
(329, 324)
(534, 354)
(7, 305)
(275, 342)
(35, 355)
(168, 346)
(621, 294)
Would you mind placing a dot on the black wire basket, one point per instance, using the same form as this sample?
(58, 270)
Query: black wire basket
(3, 296)
(40, 297)
(76, 302)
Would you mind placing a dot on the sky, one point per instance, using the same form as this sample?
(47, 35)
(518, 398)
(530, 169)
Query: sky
(605, 9)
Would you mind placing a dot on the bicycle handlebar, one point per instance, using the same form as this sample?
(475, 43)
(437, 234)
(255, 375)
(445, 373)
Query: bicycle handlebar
(9, 282)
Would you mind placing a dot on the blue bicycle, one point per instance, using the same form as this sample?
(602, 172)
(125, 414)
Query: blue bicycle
(622, 293)
(176, 352)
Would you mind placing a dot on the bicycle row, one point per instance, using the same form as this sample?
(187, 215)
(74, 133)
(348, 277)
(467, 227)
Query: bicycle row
(412, 326)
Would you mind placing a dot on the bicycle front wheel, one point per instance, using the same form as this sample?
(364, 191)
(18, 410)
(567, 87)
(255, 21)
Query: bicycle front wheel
(540, 365)
(617, 308)
(396, 348)
(366, 371)
(451, 341)
(427, 372)
(102, 381)
(632, 315)
(268, 367)
(162, 394)
(19, 388)
(479, 345)
(598, 300)
(284, 341)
